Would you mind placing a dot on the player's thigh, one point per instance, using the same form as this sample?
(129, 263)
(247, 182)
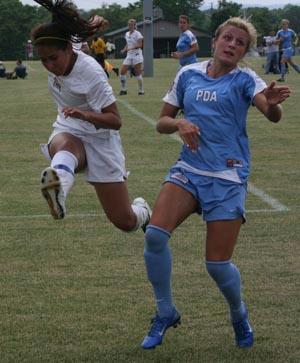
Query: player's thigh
(71, 143)
(138, 68)
(221, 239)
(173, 205)
(115, 202)
(124, 69)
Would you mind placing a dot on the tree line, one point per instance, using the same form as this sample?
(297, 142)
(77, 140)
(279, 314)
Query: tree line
(17, 20)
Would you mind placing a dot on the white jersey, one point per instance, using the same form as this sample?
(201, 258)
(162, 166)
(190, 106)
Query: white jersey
(85, 88)
(132, 40)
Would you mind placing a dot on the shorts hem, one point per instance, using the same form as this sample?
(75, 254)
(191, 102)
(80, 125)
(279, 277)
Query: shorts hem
(107, 181)
(182, 186)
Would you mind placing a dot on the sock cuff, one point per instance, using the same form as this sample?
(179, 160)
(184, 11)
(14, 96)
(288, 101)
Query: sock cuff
(64, 157)
(64, 167)
(218, 263)
(151, 226)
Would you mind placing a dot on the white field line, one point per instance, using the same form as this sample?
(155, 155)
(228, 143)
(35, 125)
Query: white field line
(272, 202)
(91, 215)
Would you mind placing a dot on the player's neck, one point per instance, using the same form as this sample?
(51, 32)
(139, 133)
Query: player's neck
(216, 69)
(71, 64)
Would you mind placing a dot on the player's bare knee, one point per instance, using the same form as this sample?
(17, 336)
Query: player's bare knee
(125, 224)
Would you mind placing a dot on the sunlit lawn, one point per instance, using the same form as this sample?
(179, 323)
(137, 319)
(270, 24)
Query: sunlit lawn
(76, 290)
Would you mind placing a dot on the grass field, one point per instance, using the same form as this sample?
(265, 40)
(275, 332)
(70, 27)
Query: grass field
(76, 290)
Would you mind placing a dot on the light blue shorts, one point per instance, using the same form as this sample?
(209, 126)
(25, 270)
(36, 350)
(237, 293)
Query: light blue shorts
(288, 53)
(218, 199)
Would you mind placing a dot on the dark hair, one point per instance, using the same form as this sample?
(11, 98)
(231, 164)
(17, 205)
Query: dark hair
(67, 25)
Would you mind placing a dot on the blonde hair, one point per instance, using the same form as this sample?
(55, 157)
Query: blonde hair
(132, 21)
(184, 17)
(241, 24)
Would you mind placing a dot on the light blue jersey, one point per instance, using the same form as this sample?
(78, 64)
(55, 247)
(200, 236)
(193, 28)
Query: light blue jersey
(184, 43)
(219, 108)
(287, 37)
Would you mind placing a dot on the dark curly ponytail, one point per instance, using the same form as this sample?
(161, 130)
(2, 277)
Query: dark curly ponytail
(67, 25)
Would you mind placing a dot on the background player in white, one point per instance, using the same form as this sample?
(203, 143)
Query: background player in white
(85, 136)
(287, 38)
(210, 176)
(187, 45)
(134, 58)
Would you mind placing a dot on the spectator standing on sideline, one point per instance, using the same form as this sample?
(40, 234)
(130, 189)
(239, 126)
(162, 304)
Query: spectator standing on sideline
(272, 53)
(134, 58)
(98, 49)
(110, 49)
(187, 45)
(29, 50)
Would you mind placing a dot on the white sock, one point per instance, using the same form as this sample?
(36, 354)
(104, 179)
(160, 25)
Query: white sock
(65, 164)
(123, 82)
(140, 83)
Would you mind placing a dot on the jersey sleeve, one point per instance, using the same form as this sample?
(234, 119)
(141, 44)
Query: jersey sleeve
(99, 93)
(139, 36)
(192, 37)
(256, 86)
(175, 94)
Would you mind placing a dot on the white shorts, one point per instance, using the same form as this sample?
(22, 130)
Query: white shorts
(104, 155)
(133, 59)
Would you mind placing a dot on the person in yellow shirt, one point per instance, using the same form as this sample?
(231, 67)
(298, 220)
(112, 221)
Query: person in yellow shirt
(98, 48)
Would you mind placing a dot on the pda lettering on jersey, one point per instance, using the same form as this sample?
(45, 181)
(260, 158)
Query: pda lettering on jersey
(206, 96)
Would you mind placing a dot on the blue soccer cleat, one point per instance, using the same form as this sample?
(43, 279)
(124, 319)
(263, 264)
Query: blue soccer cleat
(243, 333)
(158, 329)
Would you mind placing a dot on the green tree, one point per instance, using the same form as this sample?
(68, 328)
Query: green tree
(16, 22)
(262, 19)
(225, 11)
(173, 8)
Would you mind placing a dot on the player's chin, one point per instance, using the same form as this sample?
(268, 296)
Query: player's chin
(229, 61)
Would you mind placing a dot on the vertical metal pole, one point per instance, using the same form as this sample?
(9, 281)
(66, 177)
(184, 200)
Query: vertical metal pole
(148, 37)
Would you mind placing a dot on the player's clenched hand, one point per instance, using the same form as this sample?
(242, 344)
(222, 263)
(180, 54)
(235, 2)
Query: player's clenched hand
(74, 112)
(276, 94)
(189, 133)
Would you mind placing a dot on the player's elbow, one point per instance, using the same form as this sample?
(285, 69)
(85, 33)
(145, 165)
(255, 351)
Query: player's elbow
(118, 123)
(159, 128)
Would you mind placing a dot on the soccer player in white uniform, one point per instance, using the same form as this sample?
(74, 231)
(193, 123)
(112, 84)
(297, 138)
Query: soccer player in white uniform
(210, 175)
(187, 44)
(134, 58)
(85, 135)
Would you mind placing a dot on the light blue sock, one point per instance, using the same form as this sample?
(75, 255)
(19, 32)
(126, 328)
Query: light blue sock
(158, 261)
(227, 278)
(282, 70)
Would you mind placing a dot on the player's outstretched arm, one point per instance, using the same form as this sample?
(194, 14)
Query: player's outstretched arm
(268, 102)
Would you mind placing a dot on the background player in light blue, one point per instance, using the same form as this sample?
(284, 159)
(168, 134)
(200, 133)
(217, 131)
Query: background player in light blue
(287, 38)
(210, 176)
(187, 45)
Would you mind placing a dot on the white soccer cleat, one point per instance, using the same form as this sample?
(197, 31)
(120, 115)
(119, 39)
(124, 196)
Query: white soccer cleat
(145, 218)
(53, 193)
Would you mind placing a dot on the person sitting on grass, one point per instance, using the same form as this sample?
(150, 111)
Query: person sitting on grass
(20, 70)
(2, 70)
